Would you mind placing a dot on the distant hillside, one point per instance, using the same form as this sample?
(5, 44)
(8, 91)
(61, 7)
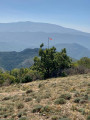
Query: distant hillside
(21, 35)
(10, 60)
(28, 26)
(74, 50)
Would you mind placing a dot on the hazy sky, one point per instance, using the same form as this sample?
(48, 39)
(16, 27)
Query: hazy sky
(68, 13)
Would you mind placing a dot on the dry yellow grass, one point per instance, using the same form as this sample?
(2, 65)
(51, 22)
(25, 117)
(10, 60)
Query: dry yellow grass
(18, 101)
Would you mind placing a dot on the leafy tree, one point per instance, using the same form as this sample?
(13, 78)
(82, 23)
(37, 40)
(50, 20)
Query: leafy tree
(51, 61)
(62, 61)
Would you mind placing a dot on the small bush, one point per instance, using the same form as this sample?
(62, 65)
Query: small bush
(86, 96)
(82, 111)
(20, 105)
(40, 85)
(66, 96)
(77, 70)
(64, 119)
(26, 79)
(37, 108)
(77, 94)
(5, 116)
(32, 75)
(6, 79)
(88, 117)
(19, 114)
(23, 118)
(29, 91)
(54, 118)
(28, 99)
(77, 100)
(38, 99)
(7, 98)
(47, 95)
(45, 109)
(60, 101)
(82, 101)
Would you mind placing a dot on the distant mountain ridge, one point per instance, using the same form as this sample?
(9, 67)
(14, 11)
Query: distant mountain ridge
(21, 35)
(11, 60)
(74, 50)
(28, 26)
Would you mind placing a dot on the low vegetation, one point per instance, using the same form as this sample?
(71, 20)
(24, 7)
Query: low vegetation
(66, 98)
(52, 88)
(49, 64)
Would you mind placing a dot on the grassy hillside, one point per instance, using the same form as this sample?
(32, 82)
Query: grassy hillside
(52, 99)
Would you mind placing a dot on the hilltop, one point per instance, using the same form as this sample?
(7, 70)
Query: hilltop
(52, 99)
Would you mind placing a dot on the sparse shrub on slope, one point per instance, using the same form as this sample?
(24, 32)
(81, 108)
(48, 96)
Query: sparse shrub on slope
(60, 101)
(88, 117)
(23, 118)
(66, 96)
(20, 105)
(6, 79)
(64, 119)
(32, 75)
(37, 108)
(85, 62)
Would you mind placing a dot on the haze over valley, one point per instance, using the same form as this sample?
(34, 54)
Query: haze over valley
(21, 35)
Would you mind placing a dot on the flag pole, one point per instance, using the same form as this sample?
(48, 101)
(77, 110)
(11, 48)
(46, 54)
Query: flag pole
(48, 42)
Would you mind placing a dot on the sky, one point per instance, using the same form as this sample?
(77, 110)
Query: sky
(68, 13)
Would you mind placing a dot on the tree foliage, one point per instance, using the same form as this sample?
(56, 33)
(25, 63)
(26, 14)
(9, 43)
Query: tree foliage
(51, 62)
(85, 62)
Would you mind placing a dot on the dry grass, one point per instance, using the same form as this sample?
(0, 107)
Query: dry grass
(18, 101)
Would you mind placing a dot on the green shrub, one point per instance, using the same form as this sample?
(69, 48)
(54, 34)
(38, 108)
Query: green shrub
(19, 114)
(32, 75)
(29, 91)
(40, 85)
(85, 62)
(82, 100)
(7, 98)
(64, 119)
(5, 116)
(6, 79)
(86, 96)
(20, 105)
(54, 118)
(77, 100)
(88, 117)
(82, 111)
(47, 95)
(39, 98)
(77, 94)
(28, 99)
(66, 96)
(27, 79)
(37, 108)
(23, 118)
(45, 109)
(60, 101)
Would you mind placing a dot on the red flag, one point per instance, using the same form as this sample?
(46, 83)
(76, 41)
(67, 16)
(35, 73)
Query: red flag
(50, 39)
